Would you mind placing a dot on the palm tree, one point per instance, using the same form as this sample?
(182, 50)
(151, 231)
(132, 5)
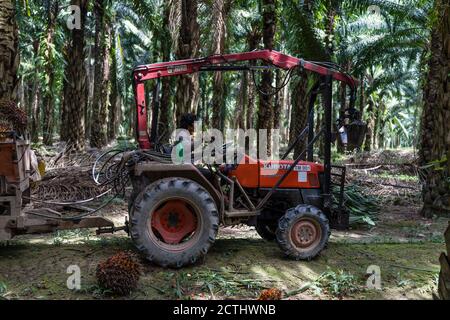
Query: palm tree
(115, 98)
(30, 66)
(265, 110)
(165, 117)
(245, 34)
(435, 142)
(75, 98)
(219, 16)
(382, 83)
(9, 53)
(366, 41)
(185, 37)
(48, 123)
(302, 40)
(102, 74)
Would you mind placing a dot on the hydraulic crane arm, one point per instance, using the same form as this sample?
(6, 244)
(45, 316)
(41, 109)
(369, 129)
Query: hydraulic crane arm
(283, 61)
(219, 63)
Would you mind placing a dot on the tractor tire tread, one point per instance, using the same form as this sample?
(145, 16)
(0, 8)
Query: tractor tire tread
(289, 218)
(138, 216)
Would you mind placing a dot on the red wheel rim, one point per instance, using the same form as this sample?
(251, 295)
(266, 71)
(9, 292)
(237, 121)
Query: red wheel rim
(174, 224)
(306, 234)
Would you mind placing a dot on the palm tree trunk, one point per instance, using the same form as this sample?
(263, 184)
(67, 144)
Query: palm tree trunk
(299, 101)
(435, 141)
(64, 120)
(376, 128)
(187, 95)
(90, 69)
(299, 114)
(76, 78)
(242, 102)
(362, 97)
(330, 23)
(49, 67)
(379, 111)
(278, 101)
(165, 114)
(21, 94)
(319, 126)
(9, 52)
(101, 78)
(220, 12)
(253, 39)
(35, 97)
(35, 113)
(287, 114)
(115, 99)
(382, 123)
(370, 127)
(342, 107)
(265, 112)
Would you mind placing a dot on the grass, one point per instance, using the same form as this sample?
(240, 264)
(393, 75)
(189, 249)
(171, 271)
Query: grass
(103, 242)
(435, 238)
(234, 268)
(185, 284)
(338, 283)
(96, 291)
(64, 236)
(400, 177)
(3, 289)
(87, 237)
(338, 158)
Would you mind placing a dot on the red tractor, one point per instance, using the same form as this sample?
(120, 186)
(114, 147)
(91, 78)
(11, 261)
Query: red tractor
(176, 209)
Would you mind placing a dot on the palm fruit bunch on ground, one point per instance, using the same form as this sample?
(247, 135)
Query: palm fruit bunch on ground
(119, 274)
(12, 117)
(270, 294)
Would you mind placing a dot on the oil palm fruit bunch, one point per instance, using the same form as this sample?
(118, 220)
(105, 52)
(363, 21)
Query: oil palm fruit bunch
(119, 274)
(4, 127)
(270, 294)
(13, 116)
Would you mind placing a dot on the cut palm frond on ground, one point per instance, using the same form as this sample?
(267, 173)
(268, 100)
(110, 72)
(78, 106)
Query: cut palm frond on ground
(363, 207)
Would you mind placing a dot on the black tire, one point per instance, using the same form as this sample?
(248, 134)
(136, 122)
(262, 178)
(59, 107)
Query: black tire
(146, 238)
(314, 231)
(266, 229)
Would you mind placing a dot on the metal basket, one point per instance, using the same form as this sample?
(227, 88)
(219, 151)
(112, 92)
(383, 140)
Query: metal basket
(356, 131)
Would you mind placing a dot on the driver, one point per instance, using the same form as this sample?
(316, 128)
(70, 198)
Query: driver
(187, 122)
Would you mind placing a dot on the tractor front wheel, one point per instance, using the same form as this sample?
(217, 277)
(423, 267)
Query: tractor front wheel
(303, 232)
(174, 222)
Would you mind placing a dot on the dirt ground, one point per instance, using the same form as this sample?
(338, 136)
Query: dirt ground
(404, 245)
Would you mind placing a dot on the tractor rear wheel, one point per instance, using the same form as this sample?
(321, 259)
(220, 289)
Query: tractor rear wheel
(174, 222)
(303, 232)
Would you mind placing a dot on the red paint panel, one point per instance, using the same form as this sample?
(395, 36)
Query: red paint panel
(141, 114)
(305, 174)
(265, 174)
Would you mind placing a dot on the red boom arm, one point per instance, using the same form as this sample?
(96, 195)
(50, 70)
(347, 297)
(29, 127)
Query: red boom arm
(174, 68)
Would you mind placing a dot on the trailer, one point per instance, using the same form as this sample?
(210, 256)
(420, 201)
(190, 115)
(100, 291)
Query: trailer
(17, 216)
